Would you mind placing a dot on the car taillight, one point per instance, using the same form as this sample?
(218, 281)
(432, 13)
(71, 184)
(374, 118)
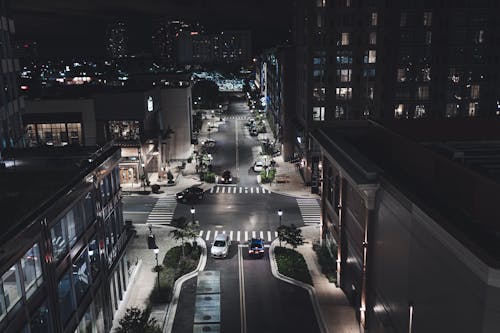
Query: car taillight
(250, 251)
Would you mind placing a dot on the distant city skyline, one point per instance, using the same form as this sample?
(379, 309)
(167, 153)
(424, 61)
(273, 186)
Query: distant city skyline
(63, 29)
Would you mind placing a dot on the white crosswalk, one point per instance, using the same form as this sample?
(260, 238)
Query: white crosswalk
(310, 211)
(239, 235)
(239, 190)
(237, 117)
(163, 211)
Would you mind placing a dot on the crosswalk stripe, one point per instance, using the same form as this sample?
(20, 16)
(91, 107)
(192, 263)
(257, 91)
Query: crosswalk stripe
(241, 189)
(212, 190)
(251, 189)
(257, 190)
(238, 235)
(217, 191)
(163, 211)
(310, 211)
(234, 189)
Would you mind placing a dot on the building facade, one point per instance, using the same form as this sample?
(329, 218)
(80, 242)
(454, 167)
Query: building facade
(409, 220)
(387, 60)
(116, 40)
(63, 261)
(11, 128)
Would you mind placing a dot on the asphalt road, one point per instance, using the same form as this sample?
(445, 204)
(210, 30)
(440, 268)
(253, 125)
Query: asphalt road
(251, 299)
(249, 294)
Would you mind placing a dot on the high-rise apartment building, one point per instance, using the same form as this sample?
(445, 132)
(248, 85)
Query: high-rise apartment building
(387, 59)
(11, 105)
(165, 38)
(116, 40)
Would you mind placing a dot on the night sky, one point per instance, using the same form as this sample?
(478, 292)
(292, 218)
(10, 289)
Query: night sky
(71, 27)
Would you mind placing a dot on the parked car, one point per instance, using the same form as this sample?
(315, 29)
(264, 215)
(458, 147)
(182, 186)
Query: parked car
(220, 246)
(189, 194)
(258, 166)
(226, 177)
(256, 247)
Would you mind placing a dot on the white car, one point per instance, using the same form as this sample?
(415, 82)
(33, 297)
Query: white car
(220, 246)
(258, 166)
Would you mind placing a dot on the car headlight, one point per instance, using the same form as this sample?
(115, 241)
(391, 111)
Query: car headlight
(230, 179)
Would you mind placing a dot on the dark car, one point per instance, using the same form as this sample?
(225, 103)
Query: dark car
(256, 247)
(226, 177)
(189, 194)
(254, 132)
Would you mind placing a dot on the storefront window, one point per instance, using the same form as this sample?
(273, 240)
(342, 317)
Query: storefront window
(94, 258)
(40, 320)
(32, 270)
(124, 130)
(59, 245)
(66, 298)
(89, 208)
(11, 287)
(81, 276)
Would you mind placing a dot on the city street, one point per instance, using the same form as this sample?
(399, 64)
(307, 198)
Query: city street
(251, 299)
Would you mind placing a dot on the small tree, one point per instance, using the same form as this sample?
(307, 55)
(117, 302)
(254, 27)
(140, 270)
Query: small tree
(137, 320)
(185, 232)
(291, 235)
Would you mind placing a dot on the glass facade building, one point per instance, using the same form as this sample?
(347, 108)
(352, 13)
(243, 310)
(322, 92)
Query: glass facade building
(65, 267)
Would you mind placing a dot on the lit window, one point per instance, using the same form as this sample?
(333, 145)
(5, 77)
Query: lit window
(319, 94)
(369, 72)
(401, 74)
(370, 57)
(419, 111)
(372, 38)
(318, 72)
(339, 111)
(344, 93)
(423, 92)
(428, 37)
(454, 76)
(318, 113)
(399, 110)
(473, 108)
(344, 75)
(479, 38)
(318, 60)
(474, 91)
(344, 39)
(320, 3)
(374, 19)
(32, 270)
(427, 19)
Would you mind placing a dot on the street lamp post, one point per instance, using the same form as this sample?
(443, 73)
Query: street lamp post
(156, 250)
(143, 176)
(192, 214)
(280, 213)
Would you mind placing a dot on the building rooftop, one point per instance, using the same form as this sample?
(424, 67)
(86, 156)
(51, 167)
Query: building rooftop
(34, 177)
(455, 181)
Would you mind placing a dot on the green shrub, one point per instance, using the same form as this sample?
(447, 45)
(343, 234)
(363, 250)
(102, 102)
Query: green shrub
(174, 266)
(327, 262)
(292, 264)
(209, 177)
(271, 173)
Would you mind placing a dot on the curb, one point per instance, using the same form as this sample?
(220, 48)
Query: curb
(168, 322)
(303, 196)
(310, 289)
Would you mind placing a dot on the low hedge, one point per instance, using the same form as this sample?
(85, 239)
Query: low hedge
(327, 262)
(174, 266)
(271, 173)
(292, 264)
